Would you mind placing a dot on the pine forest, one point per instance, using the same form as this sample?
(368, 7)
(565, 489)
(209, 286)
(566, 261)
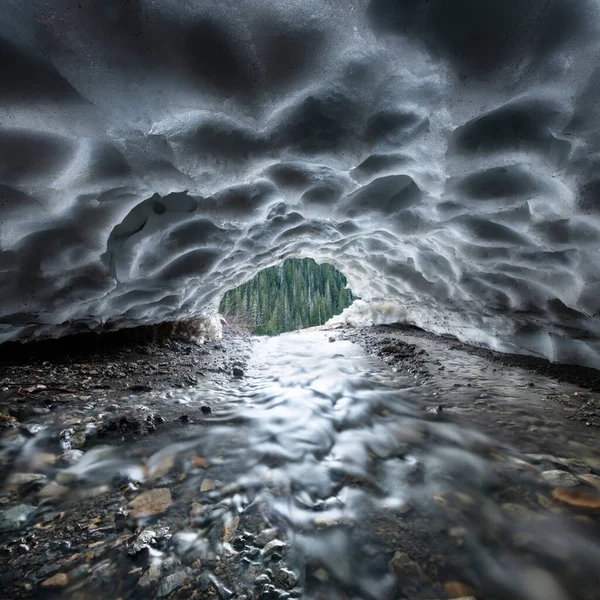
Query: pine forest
(297, 294)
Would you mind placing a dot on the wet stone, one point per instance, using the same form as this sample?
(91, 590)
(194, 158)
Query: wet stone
(265, 536)
(32, 429)
(15, 517)
(578, 499)
(56, 581)
(53, 490)
(198, 462)
(171, 583)
(403, 566)
(65, 437)
(263, 579)
(143, 540)
(150, 578)
(286, 578)
(272, 547)
(558, 478)
(207, 485)
(69, 457)
(25, 481)
(458, 590)
(150, 503)
(229, 528)
(593, 480)
(78, 440)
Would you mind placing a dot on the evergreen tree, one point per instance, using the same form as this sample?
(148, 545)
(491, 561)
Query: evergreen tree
(296, 294)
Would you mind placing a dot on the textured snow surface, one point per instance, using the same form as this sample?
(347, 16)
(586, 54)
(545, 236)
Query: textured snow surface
(443, 154)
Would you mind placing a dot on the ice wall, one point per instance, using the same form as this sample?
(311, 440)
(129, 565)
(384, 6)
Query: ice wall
(443, 154)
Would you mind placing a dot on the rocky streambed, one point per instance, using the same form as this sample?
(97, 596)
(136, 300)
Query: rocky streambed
(374, 463)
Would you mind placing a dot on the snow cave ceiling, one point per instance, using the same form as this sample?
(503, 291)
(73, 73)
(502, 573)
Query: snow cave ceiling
(443, 154)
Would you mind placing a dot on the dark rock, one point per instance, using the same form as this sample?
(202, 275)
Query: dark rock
(238, 544)
(287, 578)
(149, 580)
(272, 547)
(171, 583)
(139, 388)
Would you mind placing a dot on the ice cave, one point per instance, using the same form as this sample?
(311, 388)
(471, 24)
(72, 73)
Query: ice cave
(438, 439)
(442, 155)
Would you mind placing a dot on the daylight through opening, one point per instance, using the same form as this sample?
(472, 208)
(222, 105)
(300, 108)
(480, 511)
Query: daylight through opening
(297, 294)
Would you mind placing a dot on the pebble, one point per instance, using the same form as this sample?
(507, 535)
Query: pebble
(287, 578)
(15, 517)
(560, 478)
(150, 503)
(229, 528)
(53, 490)
(516, 511)
(593, 480)
(69, 457)
(403, 566)
(265, 536)
(42, 459)
(56, 581)
(199, 463)
(164, 466)
(575, 499)
(143, 540)
(171, 583)
(150, 578)
(32, 429)
(207, 485)
(273, 546)
(237, 372)
(458, 590)
(78, 440)
(65, 438)
(19, 480)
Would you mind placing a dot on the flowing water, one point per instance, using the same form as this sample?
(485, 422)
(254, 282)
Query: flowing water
(325, 474)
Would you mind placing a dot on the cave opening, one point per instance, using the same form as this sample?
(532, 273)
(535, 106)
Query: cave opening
(297, 294)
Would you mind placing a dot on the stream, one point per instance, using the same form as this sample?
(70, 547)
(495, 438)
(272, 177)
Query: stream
(323, 473)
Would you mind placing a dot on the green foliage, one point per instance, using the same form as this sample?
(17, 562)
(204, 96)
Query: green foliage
(297, 294)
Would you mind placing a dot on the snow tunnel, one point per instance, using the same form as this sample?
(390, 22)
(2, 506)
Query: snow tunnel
(154, 155)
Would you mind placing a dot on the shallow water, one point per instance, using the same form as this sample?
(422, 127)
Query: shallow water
(371, 494)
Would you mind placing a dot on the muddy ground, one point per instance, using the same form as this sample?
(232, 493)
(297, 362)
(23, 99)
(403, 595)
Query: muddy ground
(566, 394)
(71, 542)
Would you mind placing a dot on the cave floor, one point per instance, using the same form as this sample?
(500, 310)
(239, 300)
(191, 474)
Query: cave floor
(377, 463)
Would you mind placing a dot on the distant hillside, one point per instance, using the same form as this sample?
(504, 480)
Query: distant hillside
(297, 294)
